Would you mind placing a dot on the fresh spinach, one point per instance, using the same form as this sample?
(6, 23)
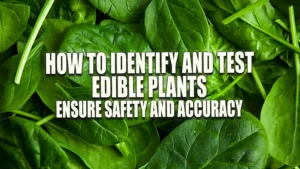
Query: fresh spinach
(169, 27)
(52, 33)
(279, 117)
(12, 96)
(145, 139)
(265, 138)
(23, 144)
(123, 11)
(243, 32)
(13, 22)
(187, 145)
(92, 155)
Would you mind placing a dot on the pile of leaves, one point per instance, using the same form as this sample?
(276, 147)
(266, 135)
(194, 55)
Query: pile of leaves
(266, 136)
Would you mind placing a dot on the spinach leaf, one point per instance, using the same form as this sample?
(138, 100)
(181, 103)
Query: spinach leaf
(120, 10)
(77, 92)
(80, 11)
(104, 39)
(145, 139)
(103, 132)
(100, 132)
(174, 25)
(107, 39)
(242, 31)
(23, 144)
(12, 96)
(13, 22)
(270, 71)
(75, 162)
(217, 43)
(131, 27)
(47, 90)
(279, 116)
(92, 155)
(234, 143)
(52, 33)
(94, 131)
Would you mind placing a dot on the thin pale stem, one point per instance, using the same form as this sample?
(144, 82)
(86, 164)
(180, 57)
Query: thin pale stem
(32, 38)
(25, 114)
(259, 83)
(45, 120)
(282, 24)
(227, 88)
(243, 11)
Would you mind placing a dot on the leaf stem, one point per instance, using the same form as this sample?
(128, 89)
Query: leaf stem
(282, 24)
(282, 41)
(297, 60)
(66, 93)
(122, 147)
(243, 11)
(45, 120)
(227, 88)
(32, 38)
(25, 114)
(259, 83)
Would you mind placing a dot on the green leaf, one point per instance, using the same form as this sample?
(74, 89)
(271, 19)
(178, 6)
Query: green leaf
(243, 31)
(80, 11)
(280, 118)
(145, 139)
(226, 144)
(52, 33)
(270, 71)
(95, 131)
(122, 10)
(47, 90)
(74, 161)
(217, 43)
(23, 144)
(131, 27)
(174, 25)
(92, 155)
(13, 22)
(12, 96)
(107, 39)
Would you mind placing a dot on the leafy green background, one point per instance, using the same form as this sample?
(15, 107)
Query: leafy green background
(267, 136)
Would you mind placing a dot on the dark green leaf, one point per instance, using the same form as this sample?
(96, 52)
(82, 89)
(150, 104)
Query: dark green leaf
(217, 43)
(131, 27)
(280, 118)
(13, 22)
(107, 39)
(210, 144)
(23, 144)
(75, 161)
(283, 6)
(92, 155)
(242, 31)
(174, 25)
(12, 96)
(123, 11)
(145, 139)
(52, 33)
